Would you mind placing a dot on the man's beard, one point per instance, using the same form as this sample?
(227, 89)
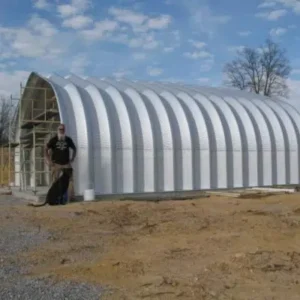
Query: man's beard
(61, 136)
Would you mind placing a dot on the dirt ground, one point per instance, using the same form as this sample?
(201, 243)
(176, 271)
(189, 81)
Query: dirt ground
(210, 248)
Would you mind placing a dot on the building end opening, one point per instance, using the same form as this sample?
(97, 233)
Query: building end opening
(38, 120)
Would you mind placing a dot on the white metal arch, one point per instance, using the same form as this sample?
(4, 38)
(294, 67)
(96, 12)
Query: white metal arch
(138, 137)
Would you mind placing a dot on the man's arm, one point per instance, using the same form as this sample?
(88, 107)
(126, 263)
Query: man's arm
(74, 149)
(48, 148)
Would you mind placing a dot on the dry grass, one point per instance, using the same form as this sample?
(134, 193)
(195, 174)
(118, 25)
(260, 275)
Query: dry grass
(4, 167)
(215, 248)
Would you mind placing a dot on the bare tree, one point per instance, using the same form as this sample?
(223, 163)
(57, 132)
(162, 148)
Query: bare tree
(5, 117)
(262, 71)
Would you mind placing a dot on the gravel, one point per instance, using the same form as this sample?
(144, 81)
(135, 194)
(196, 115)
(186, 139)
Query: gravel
(36, 289)
(16, 237)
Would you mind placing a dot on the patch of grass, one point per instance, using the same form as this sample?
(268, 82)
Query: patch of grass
(4, 167)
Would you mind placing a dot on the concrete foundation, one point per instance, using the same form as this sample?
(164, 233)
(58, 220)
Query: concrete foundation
(26, 195)
(40, 194)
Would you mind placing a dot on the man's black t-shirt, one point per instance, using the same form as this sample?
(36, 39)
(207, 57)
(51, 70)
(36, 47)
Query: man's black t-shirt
(61, 149)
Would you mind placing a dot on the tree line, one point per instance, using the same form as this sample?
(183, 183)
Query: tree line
(6, 113)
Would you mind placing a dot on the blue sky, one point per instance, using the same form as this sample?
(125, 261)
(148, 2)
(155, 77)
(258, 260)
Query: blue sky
(174, 40)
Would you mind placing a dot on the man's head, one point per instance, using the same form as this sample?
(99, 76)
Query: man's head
(61, 131)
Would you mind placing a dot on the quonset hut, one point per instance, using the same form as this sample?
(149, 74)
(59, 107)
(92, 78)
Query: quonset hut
(140, 137)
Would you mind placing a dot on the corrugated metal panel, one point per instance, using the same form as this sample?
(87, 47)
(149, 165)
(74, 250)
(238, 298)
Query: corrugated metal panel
(136, 137)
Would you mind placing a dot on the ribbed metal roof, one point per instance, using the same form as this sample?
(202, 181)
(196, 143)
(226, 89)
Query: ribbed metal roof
(135, 137)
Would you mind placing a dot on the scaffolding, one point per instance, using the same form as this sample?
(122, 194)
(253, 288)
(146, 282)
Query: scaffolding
(36, 123)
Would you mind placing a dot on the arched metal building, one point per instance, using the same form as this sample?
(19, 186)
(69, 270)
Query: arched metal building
(136, 137)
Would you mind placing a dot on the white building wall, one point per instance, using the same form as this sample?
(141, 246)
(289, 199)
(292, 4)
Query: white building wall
(136, 137)
(17, 166)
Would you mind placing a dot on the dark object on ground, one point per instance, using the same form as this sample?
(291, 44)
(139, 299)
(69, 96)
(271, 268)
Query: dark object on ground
(55, 195)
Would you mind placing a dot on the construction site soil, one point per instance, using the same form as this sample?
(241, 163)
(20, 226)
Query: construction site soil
(209, 248)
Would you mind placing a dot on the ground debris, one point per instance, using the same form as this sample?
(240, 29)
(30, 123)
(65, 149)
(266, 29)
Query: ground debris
(217, 248)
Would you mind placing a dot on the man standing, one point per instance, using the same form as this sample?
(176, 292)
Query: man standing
(59, 146)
